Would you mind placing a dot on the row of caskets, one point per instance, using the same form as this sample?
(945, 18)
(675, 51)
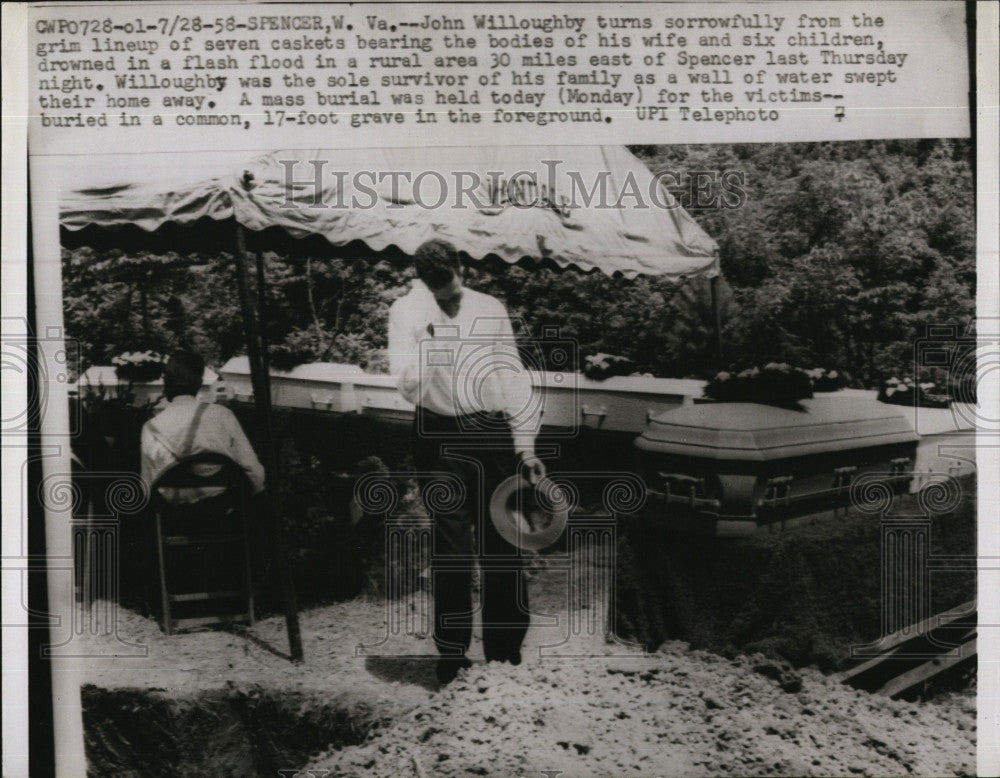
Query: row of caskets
(719, 468)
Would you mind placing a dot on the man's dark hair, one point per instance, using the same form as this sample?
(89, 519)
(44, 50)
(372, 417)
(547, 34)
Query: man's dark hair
(436, 262)
(183, 374)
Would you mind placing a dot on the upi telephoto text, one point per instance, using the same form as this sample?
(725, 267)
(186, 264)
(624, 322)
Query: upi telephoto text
(350, 68)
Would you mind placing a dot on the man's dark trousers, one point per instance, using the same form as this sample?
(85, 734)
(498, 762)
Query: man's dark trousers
(475, 451)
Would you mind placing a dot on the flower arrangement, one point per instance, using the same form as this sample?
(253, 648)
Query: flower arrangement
(141, 366)
(777, 383)
(907, 391)
(600, 366)
(824, 380)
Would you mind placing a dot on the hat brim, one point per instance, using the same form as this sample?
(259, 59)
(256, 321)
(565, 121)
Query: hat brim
(510, 505)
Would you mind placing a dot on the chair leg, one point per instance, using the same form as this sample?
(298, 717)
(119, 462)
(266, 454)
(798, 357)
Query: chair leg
(247, 573)
(86, 591)
(164, 594)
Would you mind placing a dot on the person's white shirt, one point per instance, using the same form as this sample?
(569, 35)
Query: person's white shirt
(464, 364)
(168, 437)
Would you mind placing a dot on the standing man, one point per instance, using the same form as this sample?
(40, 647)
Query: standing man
(454, 356)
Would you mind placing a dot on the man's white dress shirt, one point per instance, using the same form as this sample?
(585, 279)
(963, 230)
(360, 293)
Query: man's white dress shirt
(167, 438)
(461, 365)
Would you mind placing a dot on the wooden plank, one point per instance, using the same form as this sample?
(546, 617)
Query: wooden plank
(198, 596)
(928, 670)
(207, 621)
(922, 628)
(164, 599)
(848, 675)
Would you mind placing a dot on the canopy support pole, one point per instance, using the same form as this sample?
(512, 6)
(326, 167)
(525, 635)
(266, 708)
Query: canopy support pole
(714, 284)
(265, 360)
(262, 400)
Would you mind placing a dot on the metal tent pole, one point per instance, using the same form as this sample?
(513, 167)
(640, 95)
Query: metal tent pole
(265, 360)
(262, 400)
(714, 284)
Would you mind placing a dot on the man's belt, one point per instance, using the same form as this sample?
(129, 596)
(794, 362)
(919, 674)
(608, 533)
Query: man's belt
(492, 415)
(486, 421)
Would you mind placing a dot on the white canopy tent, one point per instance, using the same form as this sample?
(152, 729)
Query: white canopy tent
(596, 208)
(588, 206)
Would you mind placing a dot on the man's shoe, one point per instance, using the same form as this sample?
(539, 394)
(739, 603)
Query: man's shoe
(449, 666)
(513, 658)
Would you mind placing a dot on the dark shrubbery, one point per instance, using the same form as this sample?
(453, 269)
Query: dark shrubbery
(926, 394)
(842, 254)
(777, 384)
(804, 594)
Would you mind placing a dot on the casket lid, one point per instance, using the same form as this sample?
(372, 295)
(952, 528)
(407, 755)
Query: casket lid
(752, 432)
(333, 372)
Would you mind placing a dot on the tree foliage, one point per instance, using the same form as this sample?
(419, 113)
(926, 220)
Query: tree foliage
(837, 255)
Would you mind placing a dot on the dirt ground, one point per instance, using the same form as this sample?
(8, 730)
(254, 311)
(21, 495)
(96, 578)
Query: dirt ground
(675, 713)
(577, 704)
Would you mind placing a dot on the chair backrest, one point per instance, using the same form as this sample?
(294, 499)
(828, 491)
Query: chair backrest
(186, 473)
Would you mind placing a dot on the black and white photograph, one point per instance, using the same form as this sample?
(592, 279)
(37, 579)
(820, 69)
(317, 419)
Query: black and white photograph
(718, 402)
(539, 453)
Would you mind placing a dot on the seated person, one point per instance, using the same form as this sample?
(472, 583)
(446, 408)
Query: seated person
(186, 427)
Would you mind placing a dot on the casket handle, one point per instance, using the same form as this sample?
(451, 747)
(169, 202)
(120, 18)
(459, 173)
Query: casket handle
(694, 486)
(600, 413)
(843, 476)
(368, 403)
(899, 465)
(324, 401)
(777, 490)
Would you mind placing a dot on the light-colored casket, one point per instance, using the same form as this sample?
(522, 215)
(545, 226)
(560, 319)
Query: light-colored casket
(621, 404)
(327, 386)
(617, 404)
(728, 468)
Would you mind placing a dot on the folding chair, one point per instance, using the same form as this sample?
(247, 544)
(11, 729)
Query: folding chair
(205, 527)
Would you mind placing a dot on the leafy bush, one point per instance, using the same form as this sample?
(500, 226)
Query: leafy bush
(138, 366)
(111, 427)
(926, 394)
(805, 594)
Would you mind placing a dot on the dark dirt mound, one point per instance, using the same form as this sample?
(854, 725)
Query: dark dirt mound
(220, 732)
(805, 594)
